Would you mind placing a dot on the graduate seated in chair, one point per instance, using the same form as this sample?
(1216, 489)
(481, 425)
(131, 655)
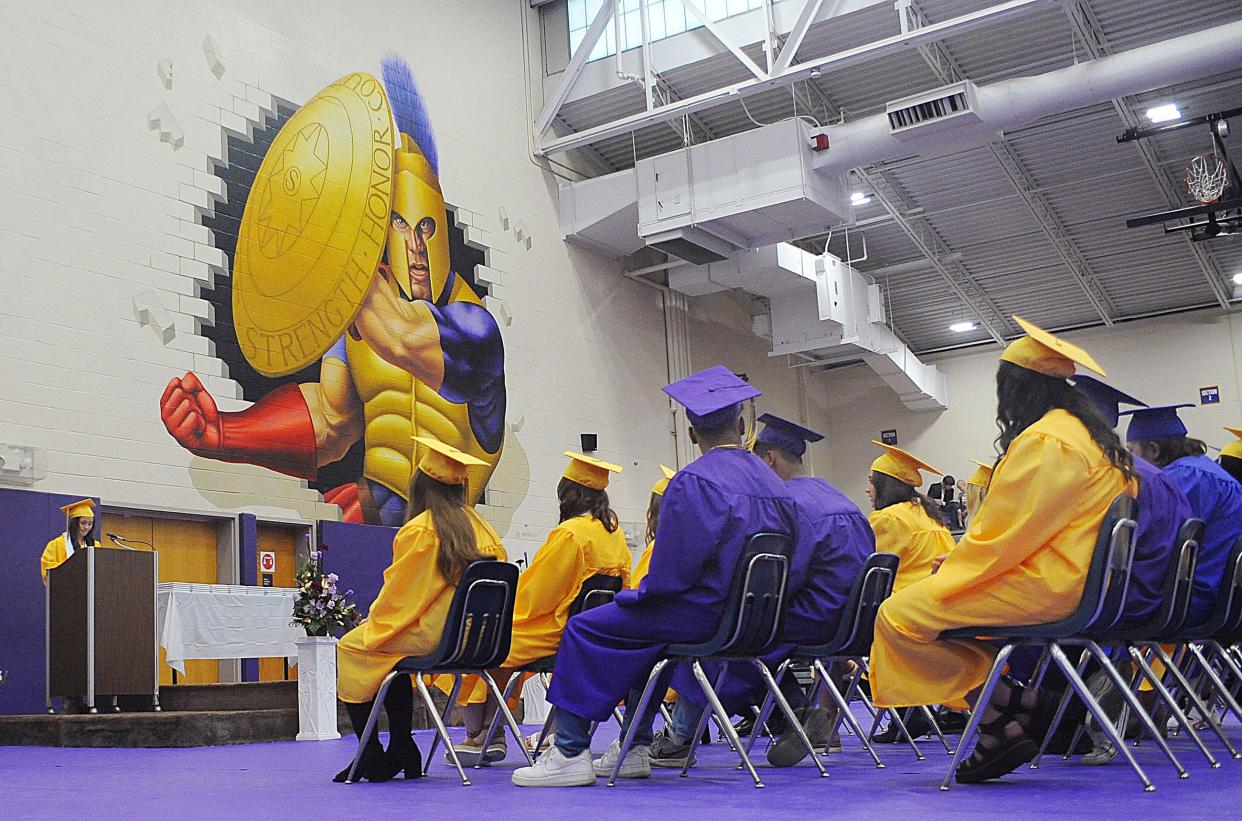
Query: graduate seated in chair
(643, 567)
(709, 510)
(441, 536)
(834, 540)
(587, 542)
(1160, 437)
(1023, 560)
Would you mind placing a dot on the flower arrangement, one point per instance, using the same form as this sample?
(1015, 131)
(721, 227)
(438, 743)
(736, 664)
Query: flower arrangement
(319, 605)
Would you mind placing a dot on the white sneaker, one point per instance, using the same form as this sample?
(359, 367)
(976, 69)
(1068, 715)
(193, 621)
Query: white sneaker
(637, 762)
(554, 769)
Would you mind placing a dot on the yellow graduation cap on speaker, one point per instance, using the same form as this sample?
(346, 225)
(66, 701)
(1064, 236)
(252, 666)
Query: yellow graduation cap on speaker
(589, 471)
(1045, 353)
(444, 463)
(659, 487)
(78, 510)
(901, 465)
(982, 476)
(1234, 448)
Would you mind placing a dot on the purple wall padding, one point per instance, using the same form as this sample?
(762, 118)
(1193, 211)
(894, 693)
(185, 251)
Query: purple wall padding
(28, 520)
(248, 573)
(359, 555)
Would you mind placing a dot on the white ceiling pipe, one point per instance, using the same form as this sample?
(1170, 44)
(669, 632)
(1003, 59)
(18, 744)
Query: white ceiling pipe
(1013, 103)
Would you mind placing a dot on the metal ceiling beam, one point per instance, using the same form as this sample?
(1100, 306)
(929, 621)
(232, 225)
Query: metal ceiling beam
(792, 74)
(723, 39)
(898, 204)
(576, 64)
(947, 69)
(1085, 24)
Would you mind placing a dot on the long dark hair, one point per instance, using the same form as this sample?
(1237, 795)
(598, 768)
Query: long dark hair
(447, 506)
(1231, 464)
(889, 490)
(1168, 451)
(1024, 396)
(577, 500)
(89, 539)
(653, 515)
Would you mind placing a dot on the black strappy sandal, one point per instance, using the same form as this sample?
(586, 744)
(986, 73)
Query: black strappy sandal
(1010, 753)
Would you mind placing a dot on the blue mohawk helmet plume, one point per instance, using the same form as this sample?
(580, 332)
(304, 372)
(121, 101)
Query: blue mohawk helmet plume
(409, 108)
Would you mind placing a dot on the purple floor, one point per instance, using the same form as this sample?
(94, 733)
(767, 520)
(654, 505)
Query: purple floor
(292, 780)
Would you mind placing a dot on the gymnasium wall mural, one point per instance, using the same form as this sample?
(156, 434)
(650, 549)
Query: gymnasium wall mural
(352, 319)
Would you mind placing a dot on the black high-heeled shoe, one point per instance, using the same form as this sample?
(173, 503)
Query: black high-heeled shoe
(405, 758)
(375, 766)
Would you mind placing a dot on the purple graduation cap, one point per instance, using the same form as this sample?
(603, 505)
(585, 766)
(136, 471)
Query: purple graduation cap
(1108, 400)
(788, 436)
(1155, 423)
(712, 398)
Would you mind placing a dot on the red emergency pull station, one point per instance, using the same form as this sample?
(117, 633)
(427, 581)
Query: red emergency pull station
(819, 142)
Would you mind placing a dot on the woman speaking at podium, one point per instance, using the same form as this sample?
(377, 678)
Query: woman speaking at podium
(79, 531)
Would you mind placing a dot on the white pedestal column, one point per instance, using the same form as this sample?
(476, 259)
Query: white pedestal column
(317, 689)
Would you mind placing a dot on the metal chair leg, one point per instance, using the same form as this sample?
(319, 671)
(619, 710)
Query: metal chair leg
(972, 726)
(896, 716)
(627, 740)
(1217, 684)
(443, 720)
(509, 719)
(790, 718)
(1193, 696)
(1080, 687)
(695, 737)
(492, 725)
(1135, 706)
(372, 720)
(935, 725)
(765, 709)
(441, 730)
(1175, 709)
(845, 714)
(725, 724)
(1062, 705)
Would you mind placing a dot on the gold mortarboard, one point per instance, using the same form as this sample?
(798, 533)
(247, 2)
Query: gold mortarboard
(81, 509)
(982, 476)
(1234, 448)
(1045, 353)
(589, 471)
(900, 465)
(444, 463)
(659, 487)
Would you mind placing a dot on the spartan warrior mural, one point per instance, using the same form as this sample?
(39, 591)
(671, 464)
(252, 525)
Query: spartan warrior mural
(342, 257)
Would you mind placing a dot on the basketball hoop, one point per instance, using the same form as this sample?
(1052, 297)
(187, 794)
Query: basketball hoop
(1206, 177)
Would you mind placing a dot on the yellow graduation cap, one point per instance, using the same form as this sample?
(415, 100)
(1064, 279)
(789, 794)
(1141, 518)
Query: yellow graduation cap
(659, 487)
(982, 476)
(444, 463)
(78, 510)
(1234, 448)
(1044, 353)
(589, 471)
(900, 465)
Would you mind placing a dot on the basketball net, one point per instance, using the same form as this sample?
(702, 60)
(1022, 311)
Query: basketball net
(1206, 176)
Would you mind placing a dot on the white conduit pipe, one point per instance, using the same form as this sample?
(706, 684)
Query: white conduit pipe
(1013, 103)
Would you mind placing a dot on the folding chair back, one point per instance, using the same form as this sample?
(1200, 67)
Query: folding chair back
(596, 590)
(872, 585)
(479, 625)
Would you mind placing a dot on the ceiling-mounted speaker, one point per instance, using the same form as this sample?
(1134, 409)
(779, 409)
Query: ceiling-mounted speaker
(590, 442)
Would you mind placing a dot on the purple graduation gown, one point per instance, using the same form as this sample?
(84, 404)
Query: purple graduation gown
(834, 540)
(1162, 510)
(710, 508)
(1216, 498)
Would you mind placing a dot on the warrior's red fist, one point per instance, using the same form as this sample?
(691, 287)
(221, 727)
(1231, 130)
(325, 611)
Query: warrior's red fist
(190, 414)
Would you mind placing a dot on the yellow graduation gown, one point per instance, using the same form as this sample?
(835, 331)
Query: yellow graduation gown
(906, 530)
(643, 566)
(407, 618)
(1023, 561)
(53, 555)
(575, 550)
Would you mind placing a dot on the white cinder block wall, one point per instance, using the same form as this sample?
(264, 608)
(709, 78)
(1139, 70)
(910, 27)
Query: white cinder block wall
(98, 206)
(1161, 361)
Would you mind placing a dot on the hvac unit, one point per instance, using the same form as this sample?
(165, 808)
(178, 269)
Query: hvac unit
(933, 111)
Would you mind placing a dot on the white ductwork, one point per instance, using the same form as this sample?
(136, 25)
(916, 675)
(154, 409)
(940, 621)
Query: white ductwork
(821, 309)
(1013, 103)
(603, 213)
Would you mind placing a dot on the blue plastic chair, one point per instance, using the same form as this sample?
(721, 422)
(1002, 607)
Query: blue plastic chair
(749, 628)
(476, 637)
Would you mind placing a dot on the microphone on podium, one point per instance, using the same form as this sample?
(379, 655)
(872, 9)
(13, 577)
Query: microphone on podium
(119, 542)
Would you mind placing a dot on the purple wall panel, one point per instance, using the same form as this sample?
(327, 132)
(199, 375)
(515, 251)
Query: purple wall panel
(359, 554)
(28, 520)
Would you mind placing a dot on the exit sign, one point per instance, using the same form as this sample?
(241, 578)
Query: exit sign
(1209, 395)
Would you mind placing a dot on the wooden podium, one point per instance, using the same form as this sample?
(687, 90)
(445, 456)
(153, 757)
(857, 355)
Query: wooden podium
(101, 637)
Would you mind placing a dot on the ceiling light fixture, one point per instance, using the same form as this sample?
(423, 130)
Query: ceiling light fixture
(1237, 279)
(859, 198)
(962, 327)
(1164, 113)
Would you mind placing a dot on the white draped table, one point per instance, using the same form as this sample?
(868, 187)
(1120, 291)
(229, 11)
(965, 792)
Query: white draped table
(225, 621)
